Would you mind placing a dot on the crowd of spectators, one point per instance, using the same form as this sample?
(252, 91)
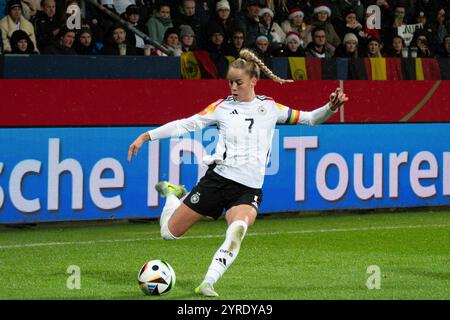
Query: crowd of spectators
(272, 28)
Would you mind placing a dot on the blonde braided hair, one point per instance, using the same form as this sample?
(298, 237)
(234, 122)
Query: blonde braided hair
(252, 64)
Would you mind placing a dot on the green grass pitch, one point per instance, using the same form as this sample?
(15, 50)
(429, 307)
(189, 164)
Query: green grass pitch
(309, 257)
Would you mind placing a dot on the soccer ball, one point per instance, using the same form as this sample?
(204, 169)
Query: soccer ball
(156, 277)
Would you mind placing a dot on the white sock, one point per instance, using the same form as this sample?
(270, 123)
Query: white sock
(227, 252)
(172, 203)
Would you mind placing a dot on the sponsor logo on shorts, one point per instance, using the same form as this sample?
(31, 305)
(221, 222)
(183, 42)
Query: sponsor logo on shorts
(255, 202)
(195, 198)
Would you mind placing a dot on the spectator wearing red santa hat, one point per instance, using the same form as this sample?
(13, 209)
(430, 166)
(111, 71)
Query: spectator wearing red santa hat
(321, 17)
(269, 27)
(292, 46)
(296, 23)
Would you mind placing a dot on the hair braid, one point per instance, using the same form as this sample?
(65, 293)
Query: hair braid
(250, 56)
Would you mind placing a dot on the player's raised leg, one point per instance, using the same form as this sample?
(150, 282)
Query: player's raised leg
(176, 218)
(239, 218)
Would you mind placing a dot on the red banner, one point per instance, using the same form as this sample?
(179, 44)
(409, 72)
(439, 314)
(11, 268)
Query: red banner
(74, 102)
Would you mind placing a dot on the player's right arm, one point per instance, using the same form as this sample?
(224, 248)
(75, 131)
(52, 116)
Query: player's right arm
(176, 128)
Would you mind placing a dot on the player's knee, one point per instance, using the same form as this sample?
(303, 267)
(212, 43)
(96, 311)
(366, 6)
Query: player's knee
(166, 234)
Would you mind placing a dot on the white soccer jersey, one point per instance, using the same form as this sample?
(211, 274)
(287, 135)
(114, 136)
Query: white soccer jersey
(245, 133)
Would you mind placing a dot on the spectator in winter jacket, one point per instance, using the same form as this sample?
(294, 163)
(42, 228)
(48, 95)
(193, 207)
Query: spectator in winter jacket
(46, 24)
(85, 43)
(133, 15)
(158, 24)
(118, 36)
(318, 46)
(15, 21)
(21, 43)
(63, 44)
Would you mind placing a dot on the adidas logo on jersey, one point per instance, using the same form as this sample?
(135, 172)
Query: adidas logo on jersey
(234, 112)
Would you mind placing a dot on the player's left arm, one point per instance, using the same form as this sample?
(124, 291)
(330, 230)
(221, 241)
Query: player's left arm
(291, 116)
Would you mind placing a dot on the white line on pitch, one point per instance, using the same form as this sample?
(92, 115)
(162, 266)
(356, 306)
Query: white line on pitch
(50, 244)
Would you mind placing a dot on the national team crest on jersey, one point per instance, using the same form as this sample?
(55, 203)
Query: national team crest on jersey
(262, 110)
(195, 198)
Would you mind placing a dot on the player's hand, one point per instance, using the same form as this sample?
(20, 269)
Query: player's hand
(337, 99)
(137, 144)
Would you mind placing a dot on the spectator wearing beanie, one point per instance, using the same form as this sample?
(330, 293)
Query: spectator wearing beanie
(270, 27)
(21, 43)
(15, 21)
(187, 38)
(349, 47)
(133, 16)
(263, 49)
(321, 17)
(159, 23)
(292, 46)
(222, 19)
(171, 41)
(297, 24)
(215, 39)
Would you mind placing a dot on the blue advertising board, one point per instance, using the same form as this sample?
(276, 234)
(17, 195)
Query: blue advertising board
(70, 174)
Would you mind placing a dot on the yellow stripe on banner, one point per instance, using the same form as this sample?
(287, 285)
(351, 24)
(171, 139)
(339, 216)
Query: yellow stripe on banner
(189, 66)
(378, 68)
(298, 68)
(419, 69)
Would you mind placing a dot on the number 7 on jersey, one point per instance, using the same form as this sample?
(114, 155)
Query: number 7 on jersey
(252, 121)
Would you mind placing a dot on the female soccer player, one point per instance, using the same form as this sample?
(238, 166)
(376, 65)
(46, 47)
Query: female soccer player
(233, 182)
